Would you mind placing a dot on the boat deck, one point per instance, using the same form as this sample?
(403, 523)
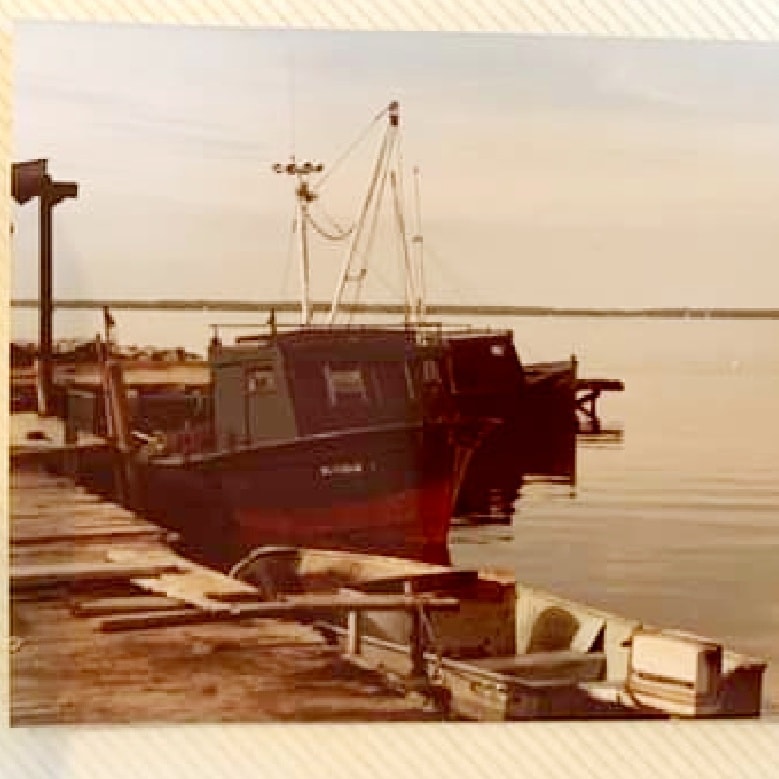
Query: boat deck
(78, 563)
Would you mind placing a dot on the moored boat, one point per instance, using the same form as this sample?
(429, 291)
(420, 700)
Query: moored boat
(512, 651)
(325, 437)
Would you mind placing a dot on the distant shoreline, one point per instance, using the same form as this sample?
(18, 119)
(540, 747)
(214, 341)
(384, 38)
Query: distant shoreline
(440, 309)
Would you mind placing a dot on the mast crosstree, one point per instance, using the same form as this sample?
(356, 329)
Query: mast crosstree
(305, 196)
(387, 171)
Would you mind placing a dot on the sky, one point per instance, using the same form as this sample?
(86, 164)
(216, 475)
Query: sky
(554, 171)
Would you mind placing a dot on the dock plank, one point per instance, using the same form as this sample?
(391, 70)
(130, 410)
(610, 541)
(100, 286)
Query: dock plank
(31, 512)
(266, 671)
(192, 583)
(32, 576)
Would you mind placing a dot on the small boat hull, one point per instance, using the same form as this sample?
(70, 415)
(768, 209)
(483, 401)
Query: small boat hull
(512, 652)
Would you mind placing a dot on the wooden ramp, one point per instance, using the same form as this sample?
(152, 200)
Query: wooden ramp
(109, 624)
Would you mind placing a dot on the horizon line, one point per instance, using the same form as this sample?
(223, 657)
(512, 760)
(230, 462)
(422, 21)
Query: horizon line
(287, 306)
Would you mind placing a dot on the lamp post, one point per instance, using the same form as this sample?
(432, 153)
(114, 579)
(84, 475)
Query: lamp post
(28, 180)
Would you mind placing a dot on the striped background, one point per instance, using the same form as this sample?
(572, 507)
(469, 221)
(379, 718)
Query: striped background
(675, 749)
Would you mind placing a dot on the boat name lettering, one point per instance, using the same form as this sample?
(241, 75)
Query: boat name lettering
(340, 469)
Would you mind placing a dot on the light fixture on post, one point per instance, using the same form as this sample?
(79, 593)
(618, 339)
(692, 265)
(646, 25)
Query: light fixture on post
(29, 180)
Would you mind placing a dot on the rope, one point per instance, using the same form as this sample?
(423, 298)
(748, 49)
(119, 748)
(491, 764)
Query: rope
(397, 191)
(357, 141)
(367, 203)
(371, 237)
(455, 282)
(290, 243)
(342, 235)
(433, 642)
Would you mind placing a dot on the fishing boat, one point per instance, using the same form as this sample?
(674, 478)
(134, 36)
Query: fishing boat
(326, 437)
(326, 434)
(511, 651)
(331, 433)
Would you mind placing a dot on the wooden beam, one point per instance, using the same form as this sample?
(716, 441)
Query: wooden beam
(293, 608)
(57, 497)
(31, 576)
(429, 581)
(130, 605)
(75, 518)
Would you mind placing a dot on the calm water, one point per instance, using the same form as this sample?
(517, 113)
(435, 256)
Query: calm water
(679, 523)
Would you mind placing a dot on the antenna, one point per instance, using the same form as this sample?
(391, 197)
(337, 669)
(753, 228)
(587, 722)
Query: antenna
(291, 90)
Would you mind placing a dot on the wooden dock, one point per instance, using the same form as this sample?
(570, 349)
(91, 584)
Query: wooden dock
(109, 625)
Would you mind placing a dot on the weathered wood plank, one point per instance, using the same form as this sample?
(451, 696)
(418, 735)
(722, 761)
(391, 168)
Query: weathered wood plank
(293, 608)
(63, 508)
(419, 582)
(191, 583)
(233, 596)
(132, 604)
(31, 576)
(66, 500)
(76, 528)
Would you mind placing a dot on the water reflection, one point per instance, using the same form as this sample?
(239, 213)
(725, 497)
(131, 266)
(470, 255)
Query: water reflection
(492, 491)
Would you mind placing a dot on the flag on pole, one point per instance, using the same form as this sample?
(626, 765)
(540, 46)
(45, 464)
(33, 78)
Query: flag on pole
(107, 318)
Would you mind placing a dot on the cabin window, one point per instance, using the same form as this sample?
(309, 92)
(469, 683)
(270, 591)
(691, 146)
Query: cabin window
(260, 380)
(345, 383)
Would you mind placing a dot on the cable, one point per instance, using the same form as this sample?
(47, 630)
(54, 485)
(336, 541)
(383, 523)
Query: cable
(344, 234)
(290, 243)
(349, 150)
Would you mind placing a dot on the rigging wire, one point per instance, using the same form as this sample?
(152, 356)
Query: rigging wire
(341, 235)
(290, 253)
(455, 282)
(379, 186)
(367, 204)
(401, 223)
(372, 231)
(352, 146)
(419, 255)
(398, 191)
(334, 222)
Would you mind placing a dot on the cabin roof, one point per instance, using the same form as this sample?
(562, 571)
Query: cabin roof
(366, 343)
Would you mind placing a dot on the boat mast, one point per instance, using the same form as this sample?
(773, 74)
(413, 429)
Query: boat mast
(377, 184)
(305, 196)
(408, 270)
(418, 241)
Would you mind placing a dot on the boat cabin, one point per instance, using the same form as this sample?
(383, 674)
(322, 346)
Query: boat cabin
(306, 382)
